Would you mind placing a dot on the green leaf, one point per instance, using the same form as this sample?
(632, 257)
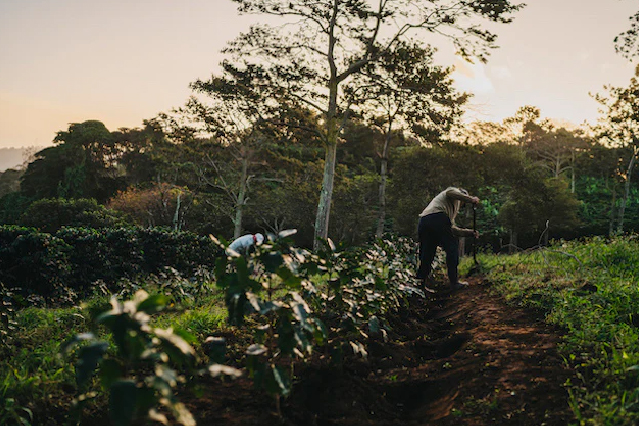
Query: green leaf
(110, 371)
(122, 402)
(320, 332)
(254, 301)
(175, 347)
(374, 324)
(300, 313)
(302, 341)
(271, 306)
(153, 304)
(220, 270)
(88, 359)
(216, 370)
(67, 346)
(289, 278)
(282, 380)
(243, 274)
(272, 261)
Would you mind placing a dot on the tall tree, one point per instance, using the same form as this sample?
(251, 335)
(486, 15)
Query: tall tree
(405, 90)
(233, 114)
(620, 127)
(326, 42)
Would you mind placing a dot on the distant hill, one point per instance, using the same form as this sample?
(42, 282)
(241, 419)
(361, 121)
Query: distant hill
(10, 158)
(13, 157)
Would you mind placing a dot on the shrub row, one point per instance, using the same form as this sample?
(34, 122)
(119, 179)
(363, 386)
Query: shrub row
(76, 258)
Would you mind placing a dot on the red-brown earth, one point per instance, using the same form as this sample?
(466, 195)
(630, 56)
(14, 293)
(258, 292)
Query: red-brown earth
(454, 358)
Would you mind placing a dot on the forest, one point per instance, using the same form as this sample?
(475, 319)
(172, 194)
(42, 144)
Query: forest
(122, 303)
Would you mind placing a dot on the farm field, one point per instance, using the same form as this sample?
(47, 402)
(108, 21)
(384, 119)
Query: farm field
(262, 212)
(546, 336)
(465, 358)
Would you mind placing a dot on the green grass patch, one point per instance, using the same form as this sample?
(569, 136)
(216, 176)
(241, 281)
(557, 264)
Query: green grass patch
(35, 378)
(589, 288)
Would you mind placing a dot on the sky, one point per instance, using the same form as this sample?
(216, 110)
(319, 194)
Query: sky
(123, 61)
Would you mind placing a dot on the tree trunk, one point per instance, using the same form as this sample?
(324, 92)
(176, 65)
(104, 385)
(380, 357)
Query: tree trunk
(513, 241)
(326, 195)
(176, 216)
(383, 172)
(462, 247)
(611, 223)
(626, 194)
(241, 200)
(573, 172)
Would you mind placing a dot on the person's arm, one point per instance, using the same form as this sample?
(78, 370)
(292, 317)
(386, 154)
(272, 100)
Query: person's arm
(463, 232)
(456, 194)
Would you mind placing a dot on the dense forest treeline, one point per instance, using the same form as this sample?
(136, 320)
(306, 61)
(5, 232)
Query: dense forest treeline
(529, 174)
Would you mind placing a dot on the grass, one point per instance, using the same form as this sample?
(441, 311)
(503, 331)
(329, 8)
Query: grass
(589, 288)
(35, 377)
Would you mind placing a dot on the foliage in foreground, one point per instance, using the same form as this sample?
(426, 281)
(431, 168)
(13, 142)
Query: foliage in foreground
(590, 289)
(294, 304)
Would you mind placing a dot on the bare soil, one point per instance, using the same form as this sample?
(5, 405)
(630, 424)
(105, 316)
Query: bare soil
(454, 358)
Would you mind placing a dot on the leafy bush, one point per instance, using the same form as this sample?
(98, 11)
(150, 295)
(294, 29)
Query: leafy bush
(7, 314)
(50, 214)
(291, 315)
(34, 261)
(76, 258)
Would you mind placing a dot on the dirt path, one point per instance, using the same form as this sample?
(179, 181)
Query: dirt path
(461, 358)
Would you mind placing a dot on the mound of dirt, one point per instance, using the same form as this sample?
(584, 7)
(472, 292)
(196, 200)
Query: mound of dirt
(454, 358)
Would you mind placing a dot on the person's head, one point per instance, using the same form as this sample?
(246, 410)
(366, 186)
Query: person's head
(259, 238)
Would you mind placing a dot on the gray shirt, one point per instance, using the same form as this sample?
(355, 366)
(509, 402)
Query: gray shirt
(449, 201)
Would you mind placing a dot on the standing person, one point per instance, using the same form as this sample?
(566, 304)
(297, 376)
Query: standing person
(245, 242)
(436, 227)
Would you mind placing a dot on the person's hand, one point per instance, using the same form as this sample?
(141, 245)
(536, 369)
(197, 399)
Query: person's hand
(476, 234)
(474, 200)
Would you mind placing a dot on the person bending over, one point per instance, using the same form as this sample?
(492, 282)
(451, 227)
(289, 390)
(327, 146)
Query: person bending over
(436, 227)
(243, 244)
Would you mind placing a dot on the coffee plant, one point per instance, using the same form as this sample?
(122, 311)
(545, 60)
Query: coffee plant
(66, 265)
(143, 367)
(269, 284)
(274, 285)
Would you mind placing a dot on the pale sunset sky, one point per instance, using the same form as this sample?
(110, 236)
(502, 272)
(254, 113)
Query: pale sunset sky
(121, 61)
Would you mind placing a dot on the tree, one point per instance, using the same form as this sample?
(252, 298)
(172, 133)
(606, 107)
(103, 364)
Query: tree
(627, 42)
(554, 150)
(161, 204)
(534, 205)
(82, 164)
(140, 151)
(620, 127)
(403, 91)
(327, 42)
(10, 181)
(233, 116)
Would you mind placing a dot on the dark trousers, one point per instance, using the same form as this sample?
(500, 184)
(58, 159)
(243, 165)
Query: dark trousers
(436, 230)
